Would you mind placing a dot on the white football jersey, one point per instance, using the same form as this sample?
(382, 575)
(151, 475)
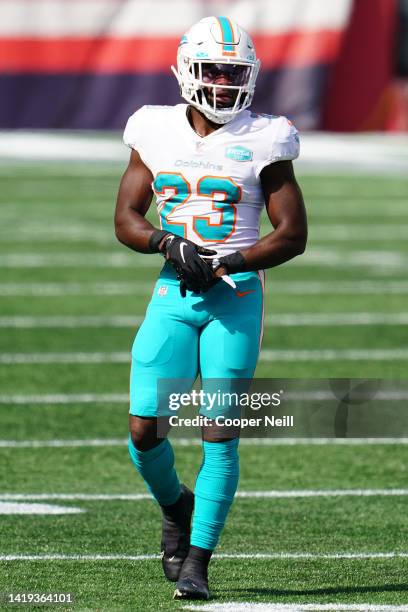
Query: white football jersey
(208, 189)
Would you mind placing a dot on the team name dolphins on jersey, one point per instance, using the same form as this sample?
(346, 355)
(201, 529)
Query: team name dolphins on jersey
(208, 189)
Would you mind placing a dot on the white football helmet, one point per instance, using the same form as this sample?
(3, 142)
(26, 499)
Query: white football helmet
(217, 68)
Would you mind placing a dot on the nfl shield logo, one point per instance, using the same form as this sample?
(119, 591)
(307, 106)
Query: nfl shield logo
(162, 291)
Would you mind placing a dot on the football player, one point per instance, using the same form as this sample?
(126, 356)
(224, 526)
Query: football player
(213, 165)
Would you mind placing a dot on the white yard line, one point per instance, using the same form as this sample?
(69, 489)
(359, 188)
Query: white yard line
(79, 260)
(354, 211)
(336, 319)
(70, 321)
(109, 442)
(297, 607)
(300, 319)
(66, 398)
(266, 355)
(321, 493)
(255, 556)
(357, 232)
(379, 259)
(89, 442)
(335, 355)
(291, 494)
(322, 395)
(363, 287)
(88, 233)
(7, 507)
(82, 289)
(311, 441)
(135, 287)
(27, 358)
(332, 258)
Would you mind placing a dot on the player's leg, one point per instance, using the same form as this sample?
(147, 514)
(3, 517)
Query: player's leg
(166, 347)
(229, 348)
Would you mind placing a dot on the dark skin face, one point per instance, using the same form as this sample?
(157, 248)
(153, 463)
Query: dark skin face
(225, 97)
(224, 76)
(286, 211)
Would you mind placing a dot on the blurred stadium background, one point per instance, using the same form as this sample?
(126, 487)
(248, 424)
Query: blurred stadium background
(88, 65)
(329, 516)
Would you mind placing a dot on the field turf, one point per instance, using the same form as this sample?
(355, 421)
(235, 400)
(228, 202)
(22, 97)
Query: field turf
(69, 292)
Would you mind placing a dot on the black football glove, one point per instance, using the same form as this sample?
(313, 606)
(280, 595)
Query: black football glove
(233, 263)
(184, 255)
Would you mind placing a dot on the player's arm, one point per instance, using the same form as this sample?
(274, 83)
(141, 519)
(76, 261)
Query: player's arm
(286, 211)
(133, 201)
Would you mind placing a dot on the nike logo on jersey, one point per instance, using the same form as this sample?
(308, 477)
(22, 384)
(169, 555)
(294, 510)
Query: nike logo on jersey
(244, 293)
(182, 247)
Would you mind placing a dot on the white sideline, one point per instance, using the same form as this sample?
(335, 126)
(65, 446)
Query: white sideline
(255, 556)
(265, 355)
(295, 494)
(109, 442)
(374, 287)
(283, 607)
(301, 319)
(377, 154)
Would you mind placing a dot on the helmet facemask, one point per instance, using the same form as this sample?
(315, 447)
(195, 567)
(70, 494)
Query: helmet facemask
(199, 86)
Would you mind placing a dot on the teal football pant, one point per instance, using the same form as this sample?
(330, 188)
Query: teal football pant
(218, 336)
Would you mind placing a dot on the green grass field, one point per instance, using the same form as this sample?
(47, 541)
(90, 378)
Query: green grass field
(71, 299)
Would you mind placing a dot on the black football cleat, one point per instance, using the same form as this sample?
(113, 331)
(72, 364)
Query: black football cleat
(193, 580)
(192, 587)
(175, 542)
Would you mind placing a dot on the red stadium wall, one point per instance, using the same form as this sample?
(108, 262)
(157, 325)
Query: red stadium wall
(361, 93)
(90, 63)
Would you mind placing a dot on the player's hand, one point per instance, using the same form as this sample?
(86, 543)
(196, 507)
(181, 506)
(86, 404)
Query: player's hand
(228, 264)
(186, 258)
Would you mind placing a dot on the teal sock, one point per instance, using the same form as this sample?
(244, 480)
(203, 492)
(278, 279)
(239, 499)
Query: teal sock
(156, 467)
(214, 492)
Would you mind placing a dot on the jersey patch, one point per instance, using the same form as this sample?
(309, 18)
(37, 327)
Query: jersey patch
(239, 153)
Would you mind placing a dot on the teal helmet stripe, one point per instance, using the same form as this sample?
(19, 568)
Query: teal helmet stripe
(227, 33)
